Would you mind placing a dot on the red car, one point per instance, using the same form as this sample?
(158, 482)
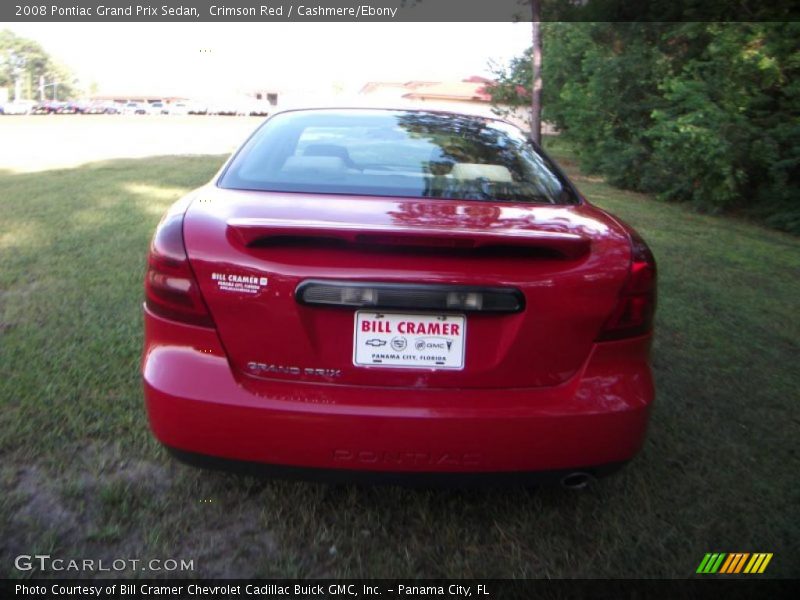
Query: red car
(398, 295)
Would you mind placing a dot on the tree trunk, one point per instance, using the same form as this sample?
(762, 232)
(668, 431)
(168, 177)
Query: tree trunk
(536, 72)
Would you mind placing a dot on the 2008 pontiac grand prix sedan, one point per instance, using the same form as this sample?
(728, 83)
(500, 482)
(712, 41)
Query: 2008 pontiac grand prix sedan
(398, 294)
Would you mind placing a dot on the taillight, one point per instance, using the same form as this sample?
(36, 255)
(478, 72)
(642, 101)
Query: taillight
(171, 290)
(636, 307)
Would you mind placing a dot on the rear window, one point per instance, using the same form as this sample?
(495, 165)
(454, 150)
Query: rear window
(396, 153)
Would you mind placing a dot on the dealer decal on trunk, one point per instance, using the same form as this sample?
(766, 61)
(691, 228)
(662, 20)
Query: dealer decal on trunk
(236, 282)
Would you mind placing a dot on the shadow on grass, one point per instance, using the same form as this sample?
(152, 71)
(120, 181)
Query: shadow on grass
(86, 478)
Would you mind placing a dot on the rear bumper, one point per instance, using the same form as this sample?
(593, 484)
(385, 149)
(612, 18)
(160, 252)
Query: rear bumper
(197, 408)
(432, 479)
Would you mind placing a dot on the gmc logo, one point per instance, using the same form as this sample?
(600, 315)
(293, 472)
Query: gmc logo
(454, 459)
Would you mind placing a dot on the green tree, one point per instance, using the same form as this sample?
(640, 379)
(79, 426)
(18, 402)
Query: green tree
(707, 113)
(25, 60)
(730, 123)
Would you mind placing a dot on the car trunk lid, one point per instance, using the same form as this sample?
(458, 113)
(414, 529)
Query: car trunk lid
(421, 262)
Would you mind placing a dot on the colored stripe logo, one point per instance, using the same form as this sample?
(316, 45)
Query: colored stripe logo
(734, 563)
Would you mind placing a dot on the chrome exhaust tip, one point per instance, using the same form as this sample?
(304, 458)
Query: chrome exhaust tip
(578, 480)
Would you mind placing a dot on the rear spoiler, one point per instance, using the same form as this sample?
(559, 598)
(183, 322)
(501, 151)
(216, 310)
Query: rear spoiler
(250, 231)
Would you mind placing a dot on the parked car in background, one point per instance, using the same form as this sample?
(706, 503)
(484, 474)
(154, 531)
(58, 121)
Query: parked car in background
(154, 108)
(175, 108)
(73, 107)
(48, 107)
(19, 107)
(132, 108)
(95, 108)
(101, 108)
(398, 295)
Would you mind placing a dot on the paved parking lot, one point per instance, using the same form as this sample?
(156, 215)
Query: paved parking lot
(42, 142)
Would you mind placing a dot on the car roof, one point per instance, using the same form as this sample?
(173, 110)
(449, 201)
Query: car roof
(476, 112)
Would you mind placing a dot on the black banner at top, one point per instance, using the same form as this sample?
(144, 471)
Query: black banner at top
(396, 10)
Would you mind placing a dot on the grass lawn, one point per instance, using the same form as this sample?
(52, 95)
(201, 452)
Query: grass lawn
(82, 477)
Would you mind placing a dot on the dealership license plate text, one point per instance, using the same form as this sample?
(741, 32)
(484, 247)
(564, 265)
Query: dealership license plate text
(409, 340)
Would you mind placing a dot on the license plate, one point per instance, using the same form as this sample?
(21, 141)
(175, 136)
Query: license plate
(420, 341)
